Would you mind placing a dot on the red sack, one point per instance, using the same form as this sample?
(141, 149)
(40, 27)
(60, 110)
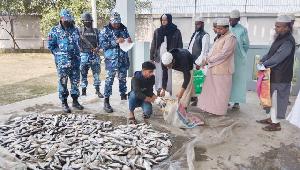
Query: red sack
(263, 88)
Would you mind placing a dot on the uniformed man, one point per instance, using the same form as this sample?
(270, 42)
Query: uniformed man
(89, 46)
(116, 60)
(64, 45)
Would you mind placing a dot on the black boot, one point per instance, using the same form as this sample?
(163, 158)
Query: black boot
(99, 93)
(124, 97)
(65, 106)
(83, 91)
(107, 106)
(76, 104)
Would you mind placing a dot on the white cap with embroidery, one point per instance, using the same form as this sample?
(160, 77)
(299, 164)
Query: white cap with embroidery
(215, 20)
(201, 19)
(222, 22)
(235, 14)
(167, 58)
(283, 18)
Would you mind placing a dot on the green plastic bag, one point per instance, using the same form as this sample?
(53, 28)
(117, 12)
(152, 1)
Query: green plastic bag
(198, 80)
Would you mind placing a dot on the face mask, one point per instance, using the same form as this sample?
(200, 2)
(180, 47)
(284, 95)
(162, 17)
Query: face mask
(67, 24)
(88, 24)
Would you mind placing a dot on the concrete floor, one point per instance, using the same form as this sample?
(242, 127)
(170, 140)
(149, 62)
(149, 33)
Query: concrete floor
(234, 141)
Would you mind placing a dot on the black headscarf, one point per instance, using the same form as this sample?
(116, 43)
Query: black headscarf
(166, 30)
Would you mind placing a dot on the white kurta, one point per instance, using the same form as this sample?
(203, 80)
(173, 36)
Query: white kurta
(294, 116)
(205, 49)
(159, 71)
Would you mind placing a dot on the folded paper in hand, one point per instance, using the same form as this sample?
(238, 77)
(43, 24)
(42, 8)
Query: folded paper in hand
(126, 46)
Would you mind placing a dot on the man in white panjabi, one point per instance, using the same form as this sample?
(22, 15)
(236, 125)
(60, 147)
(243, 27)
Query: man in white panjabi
(296, 35)
(294, 116)
(220, 60)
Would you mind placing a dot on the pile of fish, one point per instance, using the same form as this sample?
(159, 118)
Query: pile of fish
(72, 142)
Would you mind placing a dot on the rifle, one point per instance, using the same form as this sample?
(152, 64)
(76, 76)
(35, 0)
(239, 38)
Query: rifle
(87, 42)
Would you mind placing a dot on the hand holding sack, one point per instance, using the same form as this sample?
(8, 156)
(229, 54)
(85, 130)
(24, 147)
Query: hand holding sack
(263, 87)
(198, 80)
(160, 102)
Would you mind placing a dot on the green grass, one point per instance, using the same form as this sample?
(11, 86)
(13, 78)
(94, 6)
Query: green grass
(28, 89)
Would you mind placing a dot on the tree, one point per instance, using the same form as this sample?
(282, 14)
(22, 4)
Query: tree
(50, 15)
(49, 11)
(11, 9)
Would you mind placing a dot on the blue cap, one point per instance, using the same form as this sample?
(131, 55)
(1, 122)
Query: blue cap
(66, 15)
(115, 18)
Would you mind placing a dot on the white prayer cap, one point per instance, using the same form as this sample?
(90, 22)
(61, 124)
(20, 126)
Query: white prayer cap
(235, 14)
(201, 19)
(292, 16)
(283, 18)
(222, 22)
(215, 21)
(167, 58)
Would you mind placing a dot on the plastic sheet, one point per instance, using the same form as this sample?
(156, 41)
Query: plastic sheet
(184, 158)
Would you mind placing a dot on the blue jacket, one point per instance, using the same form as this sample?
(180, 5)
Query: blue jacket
(114, 56)
(61, 41)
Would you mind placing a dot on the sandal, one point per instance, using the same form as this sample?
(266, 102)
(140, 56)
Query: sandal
(265, 121)
(235, 107)
(131, 120)
(272, 127)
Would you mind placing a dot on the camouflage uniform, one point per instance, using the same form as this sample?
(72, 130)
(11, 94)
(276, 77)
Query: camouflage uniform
(64, 45)
(89, 59)
(116, 60)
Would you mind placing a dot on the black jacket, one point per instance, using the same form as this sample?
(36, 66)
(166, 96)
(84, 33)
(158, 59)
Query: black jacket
(183, 62)
(141, 86)
(280, 59)
(155, 45)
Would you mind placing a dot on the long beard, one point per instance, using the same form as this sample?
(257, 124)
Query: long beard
(198, 29)
(275, 36)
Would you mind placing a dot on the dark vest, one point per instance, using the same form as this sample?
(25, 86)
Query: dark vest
(197, 46)
(283, 72)
(91, 35)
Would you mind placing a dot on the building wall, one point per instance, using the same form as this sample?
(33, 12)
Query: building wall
(27, 33)
(260, 26)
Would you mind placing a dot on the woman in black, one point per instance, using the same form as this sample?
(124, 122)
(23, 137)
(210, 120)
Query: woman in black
(165, 38)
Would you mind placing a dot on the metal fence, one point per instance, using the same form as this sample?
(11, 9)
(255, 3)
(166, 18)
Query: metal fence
(222, 6)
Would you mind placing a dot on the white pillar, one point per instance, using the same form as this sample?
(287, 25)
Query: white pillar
(126, 8)
(94, 13)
